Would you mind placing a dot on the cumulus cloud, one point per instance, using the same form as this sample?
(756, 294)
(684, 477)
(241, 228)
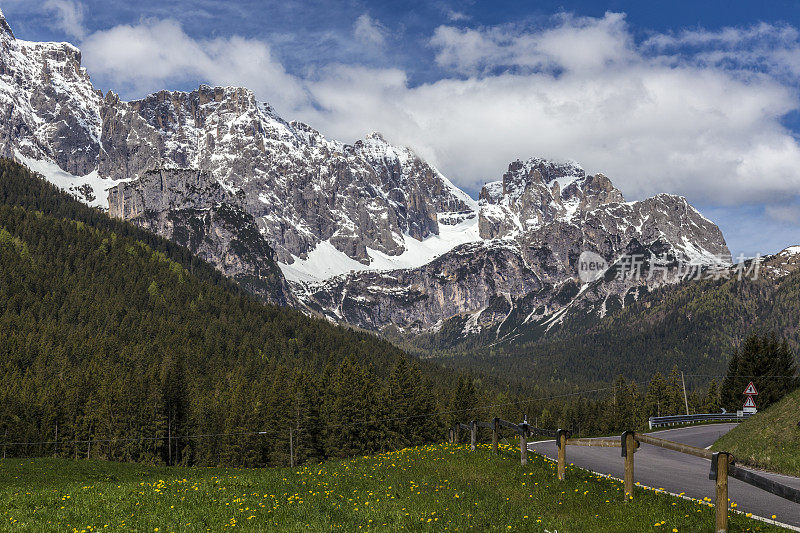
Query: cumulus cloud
(67, 17)
(574, 43)
(456, 16)
(157, 54)
(369, 31)
(656, 116)
(579, 90)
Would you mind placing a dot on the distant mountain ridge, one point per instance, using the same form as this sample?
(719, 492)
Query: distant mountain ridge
(367, 233)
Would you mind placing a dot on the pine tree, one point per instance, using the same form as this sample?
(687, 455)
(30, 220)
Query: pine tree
(624, 406)
(307, 423)
(655, 404)
(173, 383)
(711, 402)
(673, 393)
(464, 400)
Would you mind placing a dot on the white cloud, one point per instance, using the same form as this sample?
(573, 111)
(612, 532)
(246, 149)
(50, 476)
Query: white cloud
(157, 54)
(653, 116)
(761, 48)
(369, 31)
(456, 16)
(574, 43)
(68, 16)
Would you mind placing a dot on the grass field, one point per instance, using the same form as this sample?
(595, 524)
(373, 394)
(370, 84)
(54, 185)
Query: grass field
(770, 439)
(431, 488)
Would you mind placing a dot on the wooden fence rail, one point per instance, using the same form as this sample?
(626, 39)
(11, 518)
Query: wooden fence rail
(607, 443)
(523, 430)
(674, 446)
(722, 463)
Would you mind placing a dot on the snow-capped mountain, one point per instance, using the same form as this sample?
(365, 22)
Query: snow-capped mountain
(533, 226)
(366, 233)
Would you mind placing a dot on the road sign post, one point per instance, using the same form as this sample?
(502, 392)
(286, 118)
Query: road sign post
(749, 402)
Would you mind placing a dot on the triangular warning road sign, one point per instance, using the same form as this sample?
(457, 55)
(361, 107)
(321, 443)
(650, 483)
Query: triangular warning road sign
(749, 402)
(751, 390)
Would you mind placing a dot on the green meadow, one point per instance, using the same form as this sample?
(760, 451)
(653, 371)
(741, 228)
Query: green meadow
(431, 488)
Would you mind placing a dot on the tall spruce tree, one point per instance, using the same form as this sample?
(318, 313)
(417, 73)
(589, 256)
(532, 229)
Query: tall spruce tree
(711, 402)
(655, 399)
(464, 400)
(673, 393)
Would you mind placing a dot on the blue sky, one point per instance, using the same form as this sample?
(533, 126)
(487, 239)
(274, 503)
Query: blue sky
(692, 98)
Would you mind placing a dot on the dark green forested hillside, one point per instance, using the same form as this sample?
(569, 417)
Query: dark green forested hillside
(118, 339)
(696, 326)
(22, 188)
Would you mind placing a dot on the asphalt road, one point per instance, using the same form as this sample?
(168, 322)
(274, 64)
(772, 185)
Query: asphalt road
(677, 472)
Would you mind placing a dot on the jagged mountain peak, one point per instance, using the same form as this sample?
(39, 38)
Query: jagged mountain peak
(376, 148)
(5, 28)
(378, 136)
(205, 94)
(537, 192)
(545, 170)
(538, 174)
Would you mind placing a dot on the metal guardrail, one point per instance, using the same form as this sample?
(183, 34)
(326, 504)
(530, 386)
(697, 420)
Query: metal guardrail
(660, 421)
(764, 483)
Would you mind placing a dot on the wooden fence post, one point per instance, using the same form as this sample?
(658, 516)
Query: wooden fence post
(523, 443)
(495, 435)
(473, 434)
(628, 449)
(561, 442)
(450, 435)
(456, 431)
(720, 460)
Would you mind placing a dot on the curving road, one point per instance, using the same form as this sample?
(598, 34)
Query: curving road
(677, 472)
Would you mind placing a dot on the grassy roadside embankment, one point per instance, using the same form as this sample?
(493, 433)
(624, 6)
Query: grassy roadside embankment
(770, 439)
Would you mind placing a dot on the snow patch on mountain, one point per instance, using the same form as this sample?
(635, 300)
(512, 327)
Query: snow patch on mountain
(791, 250)
(91, 189)
(325, 261)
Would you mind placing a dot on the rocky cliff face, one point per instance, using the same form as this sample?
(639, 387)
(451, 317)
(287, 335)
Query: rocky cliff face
(366, 233)
(470, 277)
(4, 27)
(533, 227)
(48, 107)
(301, 188)
(194, 210)
(537, 192)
